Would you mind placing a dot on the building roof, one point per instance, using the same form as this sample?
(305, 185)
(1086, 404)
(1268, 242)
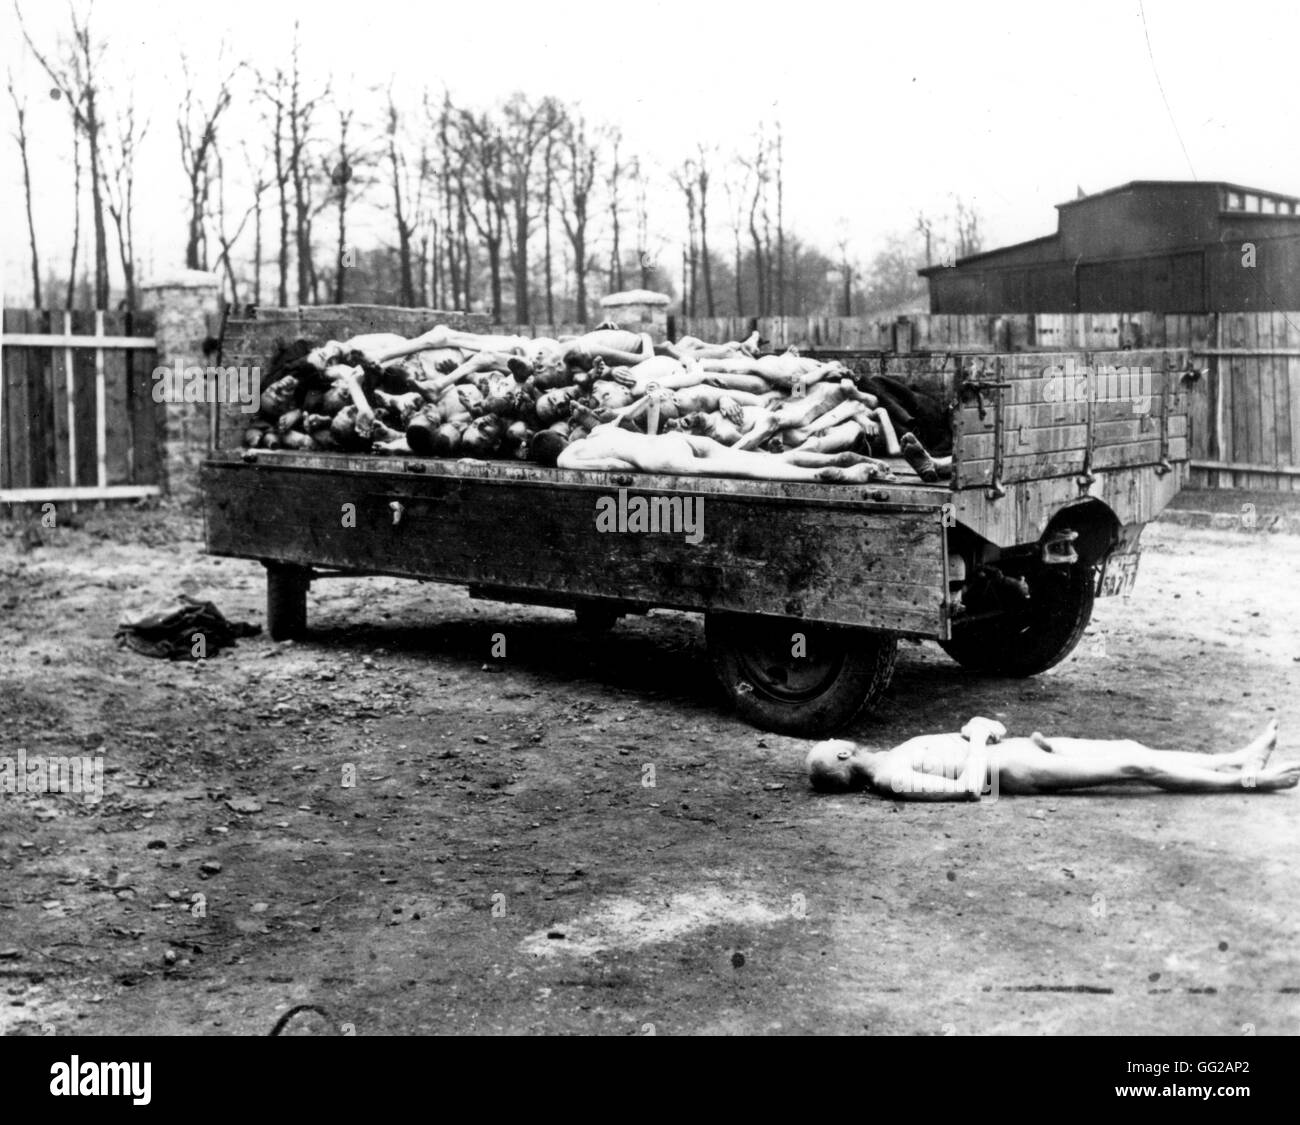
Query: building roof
(1144, 184)
(997, 251)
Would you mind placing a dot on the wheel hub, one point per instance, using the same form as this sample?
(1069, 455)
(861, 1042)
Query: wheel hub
(781, 667)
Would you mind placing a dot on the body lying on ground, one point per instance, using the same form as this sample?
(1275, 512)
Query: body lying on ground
(961, 767)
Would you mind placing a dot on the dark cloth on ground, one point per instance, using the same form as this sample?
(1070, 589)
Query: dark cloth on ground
(171, 633)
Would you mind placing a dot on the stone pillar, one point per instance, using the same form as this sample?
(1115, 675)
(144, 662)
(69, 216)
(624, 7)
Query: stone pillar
(187, 308)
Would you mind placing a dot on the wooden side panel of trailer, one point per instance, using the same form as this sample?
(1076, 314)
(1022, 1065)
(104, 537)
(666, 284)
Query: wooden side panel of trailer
(1069, 414)
(816, 558)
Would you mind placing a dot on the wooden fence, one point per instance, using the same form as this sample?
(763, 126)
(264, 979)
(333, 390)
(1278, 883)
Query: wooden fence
(77, 416)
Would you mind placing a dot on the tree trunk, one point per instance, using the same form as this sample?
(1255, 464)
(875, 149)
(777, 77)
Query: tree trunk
(282, 185)
(494, 267)
(31, 224)
(76, 216)
(407, 282)
(466, 255)
(740, 297)
(435, 268)
(453, 253)
(758, 258)
(616, 252)
(546, 210)
(780, 225)
(522, 314)
(340, 257)
(704, 243)
(97, 204)
(257, 246)
(580, 271)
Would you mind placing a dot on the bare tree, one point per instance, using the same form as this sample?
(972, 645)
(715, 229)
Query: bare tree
(702, 186)
(524, 131)
(74, 77)
(451, 192)
(120, 155)
(736, 196)
(217, 219)
(685, 179)
(616, 171)
(260, 185)
(780, 221)
(579, 167)
(344, 184)
(548, 205)
(642, 224)
(481, 155)
(407, 189)
(925, 227)
(20, 135)
(76, 216)
(969, 239)
(274, 91)
(756, 166)
(846, 270)
(299, 119)
(197, 129)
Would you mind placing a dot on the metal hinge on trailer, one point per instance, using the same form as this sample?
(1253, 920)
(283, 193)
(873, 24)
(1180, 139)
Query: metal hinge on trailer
(973, 382)
(1164, 467)
(1087, 477)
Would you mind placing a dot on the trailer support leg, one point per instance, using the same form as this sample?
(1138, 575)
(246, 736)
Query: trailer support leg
(286, 600)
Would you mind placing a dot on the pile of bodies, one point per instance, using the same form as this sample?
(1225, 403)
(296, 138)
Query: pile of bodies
(611, 399)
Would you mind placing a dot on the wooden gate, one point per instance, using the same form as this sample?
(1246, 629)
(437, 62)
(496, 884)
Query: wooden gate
(77, 415)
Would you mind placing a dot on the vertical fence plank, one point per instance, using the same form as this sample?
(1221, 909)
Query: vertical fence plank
(1239, 402)
(1267, 444)
(1293, 390)
(117, 424)
(4, 422)
(1253, 422)
(45, 464)
(1281, 418)
(70, 404)
(83, 324)
(101, 408)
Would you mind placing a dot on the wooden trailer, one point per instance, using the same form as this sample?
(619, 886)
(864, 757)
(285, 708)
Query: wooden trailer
(1059, 461)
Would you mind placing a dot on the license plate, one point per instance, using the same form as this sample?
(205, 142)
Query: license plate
(1121, 573)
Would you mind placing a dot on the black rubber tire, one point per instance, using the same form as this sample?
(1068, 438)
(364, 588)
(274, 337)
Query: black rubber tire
(846, 673)
(286, 601)
(1031, 641)
(595, 619)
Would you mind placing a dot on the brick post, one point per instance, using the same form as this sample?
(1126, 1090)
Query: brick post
(187, 306)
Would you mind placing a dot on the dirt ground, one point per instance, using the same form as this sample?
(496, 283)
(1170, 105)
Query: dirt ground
(502, 862)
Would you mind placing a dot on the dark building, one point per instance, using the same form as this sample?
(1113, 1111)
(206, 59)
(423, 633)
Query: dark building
(1148, 246)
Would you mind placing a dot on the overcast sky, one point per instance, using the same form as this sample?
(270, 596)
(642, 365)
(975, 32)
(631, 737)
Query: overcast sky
(886, 109)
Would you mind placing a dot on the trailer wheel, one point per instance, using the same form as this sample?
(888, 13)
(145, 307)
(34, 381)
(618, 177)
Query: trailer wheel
(286, 600)
(797, 678)
(1034, 639)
